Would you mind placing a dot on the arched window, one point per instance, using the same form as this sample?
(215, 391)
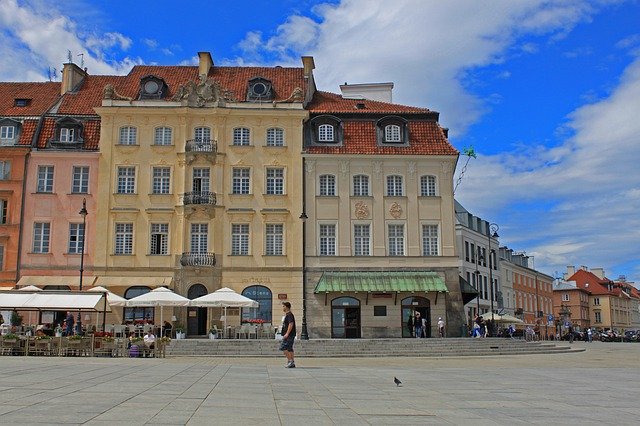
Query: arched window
(327, 185)
(392, 133)
(137, 313)
(427, 186)
(361, 185)
(345, 318)
(275, 137)
(241, 136)
(326, 133)
(394, 186)
(262, 295)
(128, 135)
(163, 136)
(392, 130)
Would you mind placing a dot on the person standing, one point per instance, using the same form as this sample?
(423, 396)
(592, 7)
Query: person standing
(410, 324)
(590, 334)
(571, 336)
(440, 327)
(69, 322)
(424, 327)
(417, 323)
(288, 333)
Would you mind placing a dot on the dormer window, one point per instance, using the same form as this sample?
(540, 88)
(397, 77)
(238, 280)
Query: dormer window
(326, 133)
(326, 129)
(152, 87)
(7, 135)
(260, 89)
(67, 134)
(22, 102)
(392, 130)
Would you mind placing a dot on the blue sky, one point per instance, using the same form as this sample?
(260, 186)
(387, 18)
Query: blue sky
(547, 92)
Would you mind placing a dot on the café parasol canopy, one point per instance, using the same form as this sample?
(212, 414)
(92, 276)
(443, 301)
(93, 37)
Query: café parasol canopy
(224, 298)
(158, 297)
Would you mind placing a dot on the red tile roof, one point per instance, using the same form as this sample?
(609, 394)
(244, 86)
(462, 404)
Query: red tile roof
(89, 96)
(425, 138)
(90, 133)
(594, 284)
(331, 103)
(42, 96)
(27, 132)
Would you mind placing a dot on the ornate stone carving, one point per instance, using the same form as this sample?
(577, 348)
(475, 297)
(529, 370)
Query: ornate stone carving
(446, 168)
(395, 210)
(201, 93)
(377, 167)
(411, 169)
(309, 165)
(109, 92)
(344, 167)
(362, 210)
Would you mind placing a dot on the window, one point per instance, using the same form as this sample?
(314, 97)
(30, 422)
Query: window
(275, 137)
(201, 177)
(1, 258)
(126, 180)
(275, 181)
(202, 134)
(327, 240)
(392, 133)
(380, 311)
(7, 134)
(394, 186)
(41, 235)
(4, 212)
(128, 135)
(361, 185)
(466, 251)
(596, 301)
(159, 243)
(199, 238)
(137, 313)
(565, 297)
(430, 240)
(163, 136)
(240, 239)
(76, 238)
(161, 180)
(5, 170)
(262, 295)
(361, 240)
(396, 240)
(124, 238)
(45, 179)
(428, 186)
(80, 184)
(598, 317)
(240, 184)
(274, 239)
(326, 133)
(241, 136)
(328, 185)
(67, 134)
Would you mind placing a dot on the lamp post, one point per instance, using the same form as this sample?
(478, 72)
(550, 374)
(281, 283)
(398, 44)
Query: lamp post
(304, 335)
(83, 212)
(478, 284)
(493, 233)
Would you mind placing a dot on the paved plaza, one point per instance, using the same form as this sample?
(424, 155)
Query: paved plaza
(600, 385)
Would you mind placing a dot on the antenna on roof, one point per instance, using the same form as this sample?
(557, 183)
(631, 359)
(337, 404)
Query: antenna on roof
(49, 73)
(81, 59)
(69, 56)
(55, 74)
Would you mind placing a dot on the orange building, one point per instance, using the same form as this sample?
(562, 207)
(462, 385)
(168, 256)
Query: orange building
(571, 303)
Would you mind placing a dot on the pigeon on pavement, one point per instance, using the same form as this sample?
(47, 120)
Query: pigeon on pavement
(396, 381)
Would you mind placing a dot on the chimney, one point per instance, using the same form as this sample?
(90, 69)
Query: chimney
(598, 272)
(571, 270)
(308, 64)
(205, 63)
(382, 92)
(72, 75)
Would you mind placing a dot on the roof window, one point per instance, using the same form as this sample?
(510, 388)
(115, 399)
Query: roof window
(22, 102)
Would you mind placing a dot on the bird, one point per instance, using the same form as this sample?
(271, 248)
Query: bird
(396, 381)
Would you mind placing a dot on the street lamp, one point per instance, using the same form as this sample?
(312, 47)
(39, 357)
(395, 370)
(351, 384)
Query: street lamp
(83, 212)
(304, 335)
(493, 233)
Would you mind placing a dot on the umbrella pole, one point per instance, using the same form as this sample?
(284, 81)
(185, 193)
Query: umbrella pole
(104, 313)
(225, 320)
(161, 318)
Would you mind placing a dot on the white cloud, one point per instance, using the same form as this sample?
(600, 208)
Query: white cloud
(150, 43)
(37, 36)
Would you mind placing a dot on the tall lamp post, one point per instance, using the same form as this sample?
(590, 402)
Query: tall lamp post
(493, 233)
(83, 212)
(304, 335)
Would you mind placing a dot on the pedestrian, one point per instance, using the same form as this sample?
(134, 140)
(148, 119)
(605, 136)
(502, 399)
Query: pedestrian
(425, 324)
(476, 327)
(571, 336)
(417, 323)
(1, 319)
(590, 335)
(288, 333)
(69, 322)
(410, 324)
(440, 327)
(511, 330)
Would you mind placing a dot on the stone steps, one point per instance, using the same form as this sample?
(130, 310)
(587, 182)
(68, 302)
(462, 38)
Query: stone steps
(364, 347)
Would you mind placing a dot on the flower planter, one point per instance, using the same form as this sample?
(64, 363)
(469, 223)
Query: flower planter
(213, 336)
(181, 335)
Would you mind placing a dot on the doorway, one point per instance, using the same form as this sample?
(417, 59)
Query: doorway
(409, 306)
(196, 316)
(345, 318)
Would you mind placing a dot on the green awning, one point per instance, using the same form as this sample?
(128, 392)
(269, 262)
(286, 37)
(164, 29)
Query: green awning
(380, 282)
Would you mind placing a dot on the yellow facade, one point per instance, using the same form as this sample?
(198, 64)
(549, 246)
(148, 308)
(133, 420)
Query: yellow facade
(611, 312)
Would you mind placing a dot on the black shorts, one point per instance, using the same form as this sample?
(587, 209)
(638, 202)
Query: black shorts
(287, 344)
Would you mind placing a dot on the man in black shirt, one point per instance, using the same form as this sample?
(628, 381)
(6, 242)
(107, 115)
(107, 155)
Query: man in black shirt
(288, 333)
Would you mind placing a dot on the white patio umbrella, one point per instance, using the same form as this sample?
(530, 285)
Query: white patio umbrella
(30, 288)
(505, 319)
(158, 297)
(224, 298)
(112, 298)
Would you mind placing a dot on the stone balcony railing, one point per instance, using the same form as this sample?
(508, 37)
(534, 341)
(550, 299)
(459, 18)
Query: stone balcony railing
(206, 146)
(199, 197)
(198, 259)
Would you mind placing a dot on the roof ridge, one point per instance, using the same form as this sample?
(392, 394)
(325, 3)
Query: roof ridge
(373, 100)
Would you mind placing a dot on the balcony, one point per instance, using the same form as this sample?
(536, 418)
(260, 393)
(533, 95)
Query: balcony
(201, 147)
(198, 259)
(199, 197)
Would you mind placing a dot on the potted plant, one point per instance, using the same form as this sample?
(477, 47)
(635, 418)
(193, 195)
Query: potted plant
(180, 333)
(10, 338)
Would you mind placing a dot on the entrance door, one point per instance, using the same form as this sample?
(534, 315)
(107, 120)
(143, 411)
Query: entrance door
(409, 306)
(345, 318)
(196, 317)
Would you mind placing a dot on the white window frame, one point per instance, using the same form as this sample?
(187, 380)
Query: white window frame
(128, 135)
(392, 133)
(163, 136)
(397, 246)
(123, 239)
(274, 239)
(202, 134)
(275, 136)
(361, 182)
(275, 181)
(159, 239)
(41, 237)
(80, 180)
(565, 297)
(395, 186)
(45, 179)
(199, 238)
(428, 243)
(241, 184)
(5, 170)
(241, 136)
(428, 186)
(240, 239)
(326, 133)
(76, 234)
(67, 134)
(327, 241)
(327, 185)
(125, 181)
(361, 242)
(160, 180)
(8, 135)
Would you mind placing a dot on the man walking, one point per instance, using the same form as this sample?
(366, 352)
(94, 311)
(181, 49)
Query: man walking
(440, 327)
(288, 333)
(69, 322)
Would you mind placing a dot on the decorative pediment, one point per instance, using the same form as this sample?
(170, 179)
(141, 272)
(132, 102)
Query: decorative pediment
(206, 91)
